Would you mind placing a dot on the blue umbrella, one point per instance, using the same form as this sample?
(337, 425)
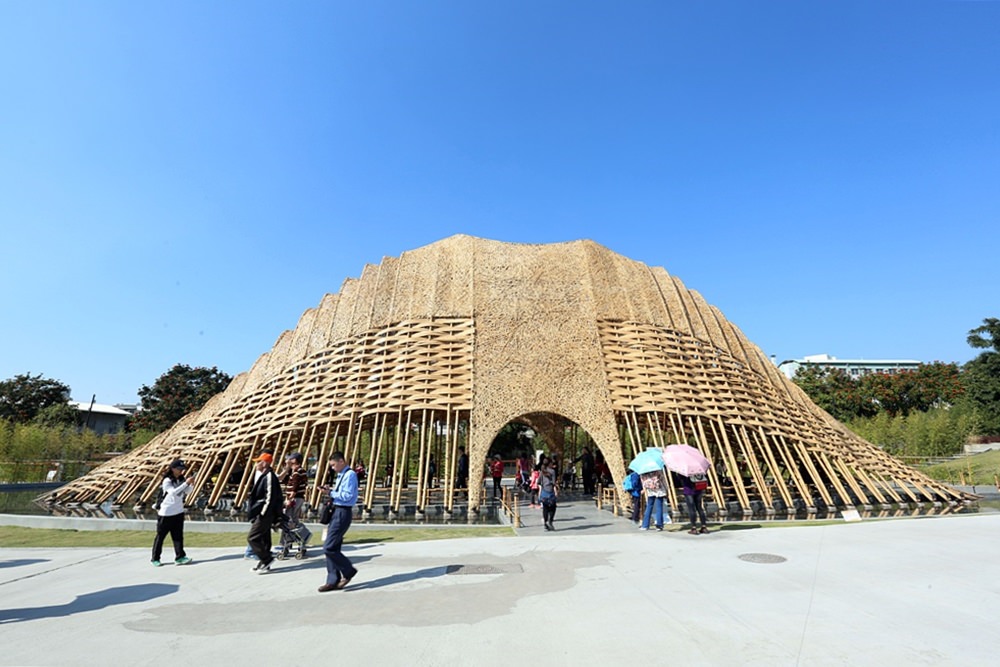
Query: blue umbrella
(650, 460)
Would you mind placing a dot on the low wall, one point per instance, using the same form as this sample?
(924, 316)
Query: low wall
(979, 448)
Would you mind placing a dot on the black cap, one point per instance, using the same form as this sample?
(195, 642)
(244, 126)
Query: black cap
(177, 463)
(294, 456)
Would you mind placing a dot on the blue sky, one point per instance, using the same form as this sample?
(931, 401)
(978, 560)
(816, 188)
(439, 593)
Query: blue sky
(180, 181)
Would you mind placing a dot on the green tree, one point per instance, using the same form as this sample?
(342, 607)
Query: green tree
(58, 415)
(22, 397)
(177, 392)
(835, 391)
(901, 393)
(511, 441)
(981, 376)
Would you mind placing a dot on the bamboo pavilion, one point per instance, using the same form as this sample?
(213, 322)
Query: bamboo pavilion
(440, 348)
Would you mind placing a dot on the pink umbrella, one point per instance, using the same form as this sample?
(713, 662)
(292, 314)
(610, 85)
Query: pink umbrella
(686, 460)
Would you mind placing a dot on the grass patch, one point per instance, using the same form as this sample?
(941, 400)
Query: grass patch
(978, 470)
(19, 536)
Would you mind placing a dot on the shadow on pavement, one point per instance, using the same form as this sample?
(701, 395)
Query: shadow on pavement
(90, 602)
(21, 562)
(426, 573)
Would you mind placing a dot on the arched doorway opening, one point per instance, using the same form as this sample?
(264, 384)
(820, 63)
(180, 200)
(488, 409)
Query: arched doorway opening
(545, 433)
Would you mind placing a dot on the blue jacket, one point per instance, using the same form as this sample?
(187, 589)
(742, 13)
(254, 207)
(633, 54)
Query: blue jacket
(636, 485)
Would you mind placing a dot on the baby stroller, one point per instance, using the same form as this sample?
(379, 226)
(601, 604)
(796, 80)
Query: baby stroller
(294, 535)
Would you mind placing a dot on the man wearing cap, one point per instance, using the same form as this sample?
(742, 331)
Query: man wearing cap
(343, 495)
(265, 506)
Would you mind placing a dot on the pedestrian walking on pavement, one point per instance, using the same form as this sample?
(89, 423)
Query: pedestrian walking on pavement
(343, 495)
(170, 513)
(266, 500)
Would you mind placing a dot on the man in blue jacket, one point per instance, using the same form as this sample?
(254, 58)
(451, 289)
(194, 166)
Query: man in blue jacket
(343, 496)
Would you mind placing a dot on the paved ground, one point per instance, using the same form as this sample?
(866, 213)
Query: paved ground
(902, 592)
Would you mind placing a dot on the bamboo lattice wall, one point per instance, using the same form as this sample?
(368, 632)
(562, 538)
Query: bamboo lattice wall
(443, 346)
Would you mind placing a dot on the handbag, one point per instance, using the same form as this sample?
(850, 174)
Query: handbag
(326, 512)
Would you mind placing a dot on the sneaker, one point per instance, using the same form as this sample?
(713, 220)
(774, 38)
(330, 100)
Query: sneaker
(660, 528)
(183, 560)
(156, 563)
(704, 530)
(643, 528)
(262, 568)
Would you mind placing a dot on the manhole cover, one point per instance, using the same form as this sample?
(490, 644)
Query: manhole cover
(484, 569)
(762, 558)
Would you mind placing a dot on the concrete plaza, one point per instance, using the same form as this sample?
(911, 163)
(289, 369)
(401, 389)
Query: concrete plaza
(920, 591)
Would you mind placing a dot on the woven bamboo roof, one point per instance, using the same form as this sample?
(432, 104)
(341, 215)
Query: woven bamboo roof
(441, 347)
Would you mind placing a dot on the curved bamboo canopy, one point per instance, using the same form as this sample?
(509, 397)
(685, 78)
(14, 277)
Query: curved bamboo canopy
(443, 346)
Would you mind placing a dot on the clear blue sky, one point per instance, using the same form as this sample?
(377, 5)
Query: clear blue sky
(180, 181)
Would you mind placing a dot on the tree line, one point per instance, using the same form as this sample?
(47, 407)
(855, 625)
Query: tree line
(37, 422)
(930, 411)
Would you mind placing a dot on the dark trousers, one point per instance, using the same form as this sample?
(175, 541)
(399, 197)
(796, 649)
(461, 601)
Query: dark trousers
(496, 486)
(636, 506)
(337, 564)
(548, 510)
(695, 505)
(173, 525)
(259, 538)
(588, 480)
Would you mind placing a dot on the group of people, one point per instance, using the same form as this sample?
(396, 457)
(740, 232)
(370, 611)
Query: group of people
(594, 470)
(654, 485)
(273, 493)
(270, 495)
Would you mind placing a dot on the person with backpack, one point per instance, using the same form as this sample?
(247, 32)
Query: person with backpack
(170, 513)
(548, 492)
(633, 487)
(693, 487)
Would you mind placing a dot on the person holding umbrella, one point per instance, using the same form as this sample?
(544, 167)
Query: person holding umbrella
(691, 467)
(655, 485)
(693, 488)
(649, 464)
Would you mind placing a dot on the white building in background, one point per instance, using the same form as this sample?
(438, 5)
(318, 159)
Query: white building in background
(101, 419)
(853, 367)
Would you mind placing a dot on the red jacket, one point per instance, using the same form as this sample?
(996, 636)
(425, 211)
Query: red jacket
(496, 468)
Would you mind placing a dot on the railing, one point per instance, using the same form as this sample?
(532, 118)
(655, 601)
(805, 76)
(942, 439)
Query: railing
(510, 506)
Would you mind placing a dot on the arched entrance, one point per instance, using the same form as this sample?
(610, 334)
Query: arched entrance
(554, 434)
